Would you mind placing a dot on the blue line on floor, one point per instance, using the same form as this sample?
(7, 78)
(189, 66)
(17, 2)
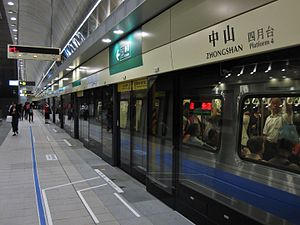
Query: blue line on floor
(40, 206)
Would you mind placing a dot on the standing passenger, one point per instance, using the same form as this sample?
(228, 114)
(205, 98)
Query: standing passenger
(273, 124)
(30, 113)
(13, 111)
(47, 113)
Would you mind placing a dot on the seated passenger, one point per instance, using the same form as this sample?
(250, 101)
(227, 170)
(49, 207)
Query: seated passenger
(256, 146)
(284, 152)
(191, 135)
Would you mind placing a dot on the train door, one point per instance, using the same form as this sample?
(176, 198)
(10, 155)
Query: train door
(68, 113)
(133, 130)
(125, 142)
(161, 151)
(94, 120)
(201, 105)
(83, 104)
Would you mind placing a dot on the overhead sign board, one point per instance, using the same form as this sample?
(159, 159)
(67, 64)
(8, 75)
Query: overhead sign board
(26, 83)
(13, 83)
(126, 54)
(33, 53)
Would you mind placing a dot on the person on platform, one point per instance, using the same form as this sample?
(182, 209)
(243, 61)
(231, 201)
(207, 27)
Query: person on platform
(13, 111)
(47, 113)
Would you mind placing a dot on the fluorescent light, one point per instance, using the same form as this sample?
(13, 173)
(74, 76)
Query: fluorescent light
(13, 25)
(10, 3)
(68, 69)
(14, 30)
(13, 18)
(11, 12)
(118, 31)
(65, 78)
(85, 19)
(17, 39)
(72, 67)
(88, 15)
(106, 40)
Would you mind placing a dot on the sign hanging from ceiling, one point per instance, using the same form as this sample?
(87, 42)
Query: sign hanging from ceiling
(33, 53)
(126, 53)
(26, 83)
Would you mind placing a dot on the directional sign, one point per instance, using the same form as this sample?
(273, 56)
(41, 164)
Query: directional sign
(26, 83)
(33, 53)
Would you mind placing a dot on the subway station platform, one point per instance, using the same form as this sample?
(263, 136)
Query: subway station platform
(47, 177)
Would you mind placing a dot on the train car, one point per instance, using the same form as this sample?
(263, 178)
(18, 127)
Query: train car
(205, 114)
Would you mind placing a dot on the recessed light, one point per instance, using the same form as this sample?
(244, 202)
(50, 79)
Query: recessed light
(13, 18)
(106, 40)
(13, 25)
(35, 56)
(11, 12)
(10, 3)
(14, 30)
(68, 69)
(17, 39)
(118, 31)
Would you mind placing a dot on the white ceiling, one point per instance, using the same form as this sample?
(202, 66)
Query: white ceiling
(34, 20)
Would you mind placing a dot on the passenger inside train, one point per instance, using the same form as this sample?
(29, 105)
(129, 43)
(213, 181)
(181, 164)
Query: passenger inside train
(271, 134)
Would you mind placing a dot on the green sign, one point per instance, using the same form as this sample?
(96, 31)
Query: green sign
(76, 83)
(126, 54)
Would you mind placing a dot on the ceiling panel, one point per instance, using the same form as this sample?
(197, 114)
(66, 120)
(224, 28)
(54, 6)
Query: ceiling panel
(45, 23)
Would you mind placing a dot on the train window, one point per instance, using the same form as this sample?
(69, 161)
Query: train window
(201, 123)
(270, 131)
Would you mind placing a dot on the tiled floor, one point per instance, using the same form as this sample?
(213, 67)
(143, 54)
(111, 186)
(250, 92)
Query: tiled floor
(59, 168)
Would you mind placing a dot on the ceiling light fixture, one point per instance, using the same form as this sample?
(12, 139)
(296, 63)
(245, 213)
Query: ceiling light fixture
(228, 75)
(269, 68)
(13, 18)
(254, 69)
(13, 25)
(10, 3)
(241, 72)
(118, 31)
(14, 30)
(106, 40)
(11, 12)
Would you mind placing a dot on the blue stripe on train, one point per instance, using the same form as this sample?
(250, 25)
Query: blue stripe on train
(275, 201)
